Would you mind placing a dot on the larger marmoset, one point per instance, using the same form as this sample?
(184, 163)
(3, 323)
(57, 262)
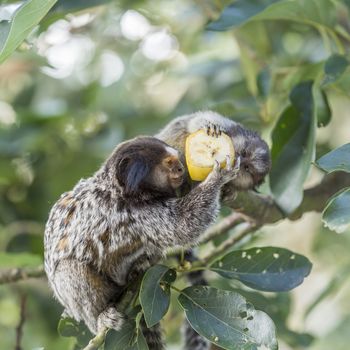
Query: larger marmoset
(252, 150)
(255, 163)
(123, 218)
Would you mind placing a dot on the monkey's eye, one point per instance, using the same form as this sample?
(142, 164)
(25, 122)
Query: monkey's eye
(246, 168)
(169, 162)
(244, 153)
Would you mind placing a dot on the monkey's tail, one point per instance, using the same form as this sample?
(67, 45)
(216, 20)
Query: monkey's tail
(194, 341)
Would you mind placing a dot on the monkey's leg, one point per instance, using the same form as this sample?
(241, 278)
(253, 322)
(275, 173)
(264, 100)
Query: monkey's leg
(87, 295)
(153, 336)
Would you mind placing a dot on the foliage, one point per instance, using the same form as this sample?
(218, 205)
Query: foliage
(88, 74)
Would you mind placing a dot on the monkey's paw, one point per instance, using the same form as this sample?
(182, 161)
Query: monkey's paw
(110, 318)
(229, 172)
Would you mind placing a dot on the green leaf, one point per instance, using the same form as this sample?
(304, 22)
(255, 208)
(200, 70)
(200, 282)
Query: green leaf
(336, 215)
(238, 13)
(323, 109)
(154, 296)
(264, 83)
(68, 327)
(293, 148)
(69, 5)
(11, 260)
(268, 269)
(336, 160)
(334, 68)
(23, 20)
(129, 337)
(226, 319)
(311, 12)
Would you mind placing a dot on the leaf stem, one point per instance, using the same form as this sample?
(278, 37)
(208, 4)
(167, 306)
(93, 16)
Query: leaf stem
(97, 341)
(176, 289)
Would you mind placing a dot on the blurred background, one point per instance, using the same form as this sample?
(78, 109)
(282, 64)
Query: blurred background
(88, 78)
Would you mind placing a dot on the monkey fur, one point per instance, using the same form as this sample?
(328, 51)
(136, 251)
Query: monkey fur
(122, 219)
(253, 152)
(255, 164)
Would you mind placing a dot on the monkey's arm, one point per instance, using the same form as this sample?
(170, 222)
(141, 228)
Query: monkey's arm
(181, 221)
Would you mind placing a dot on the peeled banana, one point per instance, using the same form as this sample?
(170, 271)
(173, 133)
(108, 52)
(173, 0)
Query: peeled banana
(202, 150)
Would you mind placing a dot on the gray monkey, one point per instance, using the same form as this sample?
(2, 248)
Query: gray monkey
(255, 163)
(122, 219)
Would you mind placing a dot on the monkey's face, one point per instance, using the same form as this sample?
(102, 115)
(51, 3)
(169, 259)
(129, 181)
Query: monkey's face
(169, 173)
(146, 164)
(255, 160)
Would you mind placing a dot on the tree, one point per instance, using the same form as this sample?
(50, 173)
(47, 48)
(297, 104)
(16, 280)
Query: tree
(87, 74)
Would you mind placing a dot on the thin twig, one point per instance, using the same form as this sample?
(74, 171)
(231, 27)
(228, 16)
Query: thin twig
(19, 328)
(229, 243)
(14, 275)
(97, 341)
(222, 226)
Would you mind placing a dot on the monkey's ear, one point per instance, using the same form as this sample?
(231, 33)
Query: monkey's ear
(131, 172)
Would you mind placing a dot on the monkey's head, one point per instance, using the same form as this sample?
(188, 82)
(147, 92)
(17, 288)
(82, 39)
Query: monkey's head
(146, 164)
(255, 158)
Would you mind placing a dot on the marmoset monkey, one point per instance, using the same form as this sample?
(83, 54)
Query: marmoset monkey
(249, 147)
(255, 164)
(124, 218)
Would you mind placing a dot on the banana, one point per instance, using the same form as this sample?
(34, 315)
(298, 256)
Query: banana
(203, 150)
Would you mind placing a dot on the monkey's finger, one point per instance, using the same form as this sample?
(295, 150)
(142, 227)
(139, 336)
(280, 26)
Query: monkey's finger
(228, 163)
(238, 163)
(216, 165)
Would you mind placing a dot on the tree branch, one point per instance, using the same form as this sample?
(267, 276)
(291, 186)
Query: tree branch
(247, 228)
(19, 328)
(263, 209)
(14, 275)
(222, 226)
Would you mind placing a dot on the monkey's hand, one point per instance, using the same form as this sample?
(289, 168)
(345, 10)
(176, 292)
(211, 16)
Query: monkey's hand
(226, 174)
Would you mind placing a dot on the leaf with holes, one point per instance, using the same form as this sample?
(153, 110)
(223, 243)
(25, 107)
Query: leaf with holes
(293, 148)
(23, 20)
(227, 319)
(267, 268)
(336, 215)
(336, 160)
(155, 295)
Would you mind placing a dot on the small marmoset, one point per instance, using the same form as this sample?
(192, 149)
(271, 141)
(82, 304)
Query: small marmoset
(122, 219)
(253, 152)
(255, 163)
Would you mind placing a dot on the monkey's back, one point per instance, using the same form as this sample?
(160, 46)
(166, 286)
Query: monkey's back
(92, 226)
